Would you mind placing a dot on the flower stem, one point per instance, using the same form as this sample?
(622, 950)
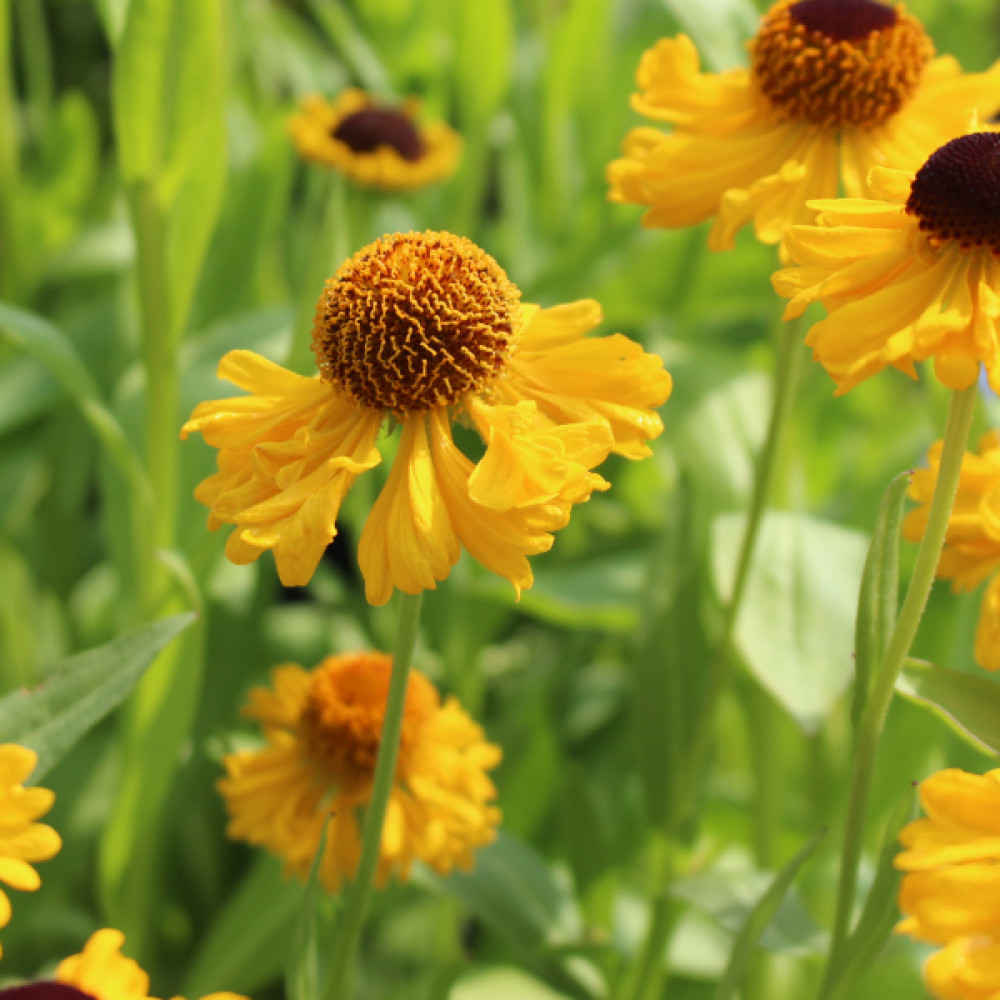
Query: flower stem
(956, 435)
(644, 985)
(360, 890)
(785, 378)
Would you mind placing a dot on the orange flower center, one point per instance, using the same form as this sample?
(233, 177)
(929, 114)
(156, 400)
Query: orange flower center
(345, 707)
(412, 322)
(956, 193)
(365, 130)
(839, 63)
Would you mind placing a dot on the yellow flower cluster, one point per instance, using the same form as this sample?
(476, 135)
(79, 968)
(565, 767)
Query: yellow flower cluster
(835, 87)
(951, 890)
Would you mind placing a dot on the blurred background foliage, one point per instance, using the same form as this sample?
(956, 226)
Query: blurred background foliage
(591, 681)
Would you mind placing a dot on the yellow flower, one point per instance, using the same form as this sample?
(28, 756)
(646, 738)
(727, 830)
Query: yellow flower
(966, 969)
(427, 330)
(102, 972)
(22, 840)
(835, 87)
(323, 731)
(972, 542)
(375, 144)
(952, 859)
(909, 276)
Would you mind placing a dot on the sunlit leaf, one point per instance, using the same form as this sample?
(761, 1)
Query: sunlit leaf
(52, 717)
(970, 704)
(796, 626)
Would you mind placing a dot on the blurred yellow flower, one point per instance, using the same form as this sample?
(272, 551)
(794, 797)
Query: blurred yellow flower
(323, 730)
(102, 972)
(425, 329)
(835, 87)
(967, 968)
(907, 277)
(972, 543)
(374, 144)
(22, 840)
(951, 857)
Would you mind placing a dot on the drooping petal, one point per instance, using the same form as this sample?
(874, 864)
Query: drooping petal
(578, 379)
(408, 541)
(529, 462)
(288, 454)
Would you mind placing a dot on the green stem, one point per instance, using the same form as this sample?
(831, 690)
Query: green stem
(650, 972)
(956, 435)
(160, 362)
(331, 245)
(785, 379)
(643, 986)
(360, 890)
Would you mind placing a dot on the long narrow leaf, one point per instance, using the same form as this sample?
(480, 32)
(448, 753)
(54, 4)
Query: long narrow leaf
(759, 918)
(878, 601)
(52, 717)
(881, 912)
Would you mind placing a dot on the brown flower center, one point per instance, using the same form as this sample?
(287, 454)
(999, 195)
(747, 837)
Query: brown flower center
(839, 63)
(956, 193)
(412, 322)
(44, 991)
(342, 719)
(365, 130)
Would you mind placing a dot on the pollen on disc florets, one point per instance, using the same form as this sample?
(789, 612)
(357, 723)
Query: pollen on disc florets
(345, 707)
(955, 195)
(839, 63)
(368, 129)
(414, 321)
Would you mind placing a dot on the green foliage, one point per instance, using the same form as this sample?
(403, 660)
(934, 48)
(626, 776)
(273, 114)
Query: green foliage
(153, 216)
(51, 718)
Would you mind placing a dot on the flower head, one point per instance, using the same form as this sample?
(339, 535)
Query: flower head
(99, 972)
(375, 144)
(909, 275)
(835, 87)
(425, 330)
(22, 840)
(323, 731)
(951, 858)
(971, 552)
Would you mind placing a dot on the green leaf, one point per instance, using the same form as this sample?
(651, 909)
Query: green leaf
(167, 88)
(503, 983)
(968, 703)
(351, 45)
(513, 891)
(729, 897)
(484, 36)
(719, 28)
(758, 920)
(302, 979)
(878, 601)
(52, 717)
(881, 911)
(112, 14)
(245, 948)
(795, 629)
(53, 350)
